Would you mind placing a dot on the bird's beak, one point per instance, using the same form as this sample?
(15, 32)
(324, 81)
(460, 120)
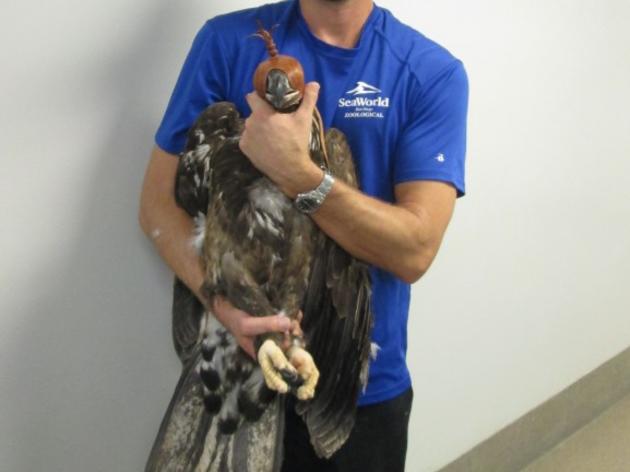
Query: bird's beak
(279, 92)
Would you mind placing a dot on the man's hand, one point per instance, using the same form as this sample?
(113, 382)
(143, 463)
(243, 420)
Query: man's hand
(245, 327)
(277, 143)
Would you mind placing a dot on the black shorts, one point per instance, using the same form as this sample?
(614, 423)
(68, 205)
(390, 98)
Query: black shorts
(378, 442)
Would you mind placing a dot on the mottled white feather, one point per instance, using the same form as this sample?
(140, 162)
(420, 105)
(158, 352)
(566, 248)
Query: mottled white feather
(199, 232)
(269, 200)
(374, 348)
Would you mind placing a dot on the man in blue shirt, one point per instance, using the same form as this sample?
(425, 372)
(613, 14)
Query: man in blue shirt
(401, 100)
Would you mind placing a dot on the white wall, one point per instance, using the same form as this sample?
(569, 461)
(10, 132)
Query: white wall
(527, 295)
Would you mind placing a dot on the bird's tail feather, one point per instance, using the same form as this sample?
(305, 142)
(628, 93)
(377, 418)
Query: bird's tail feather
(189, 439)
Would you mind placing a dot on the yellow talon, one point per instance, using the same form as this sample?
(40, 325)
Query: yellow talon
(305, 365)
(271, 360)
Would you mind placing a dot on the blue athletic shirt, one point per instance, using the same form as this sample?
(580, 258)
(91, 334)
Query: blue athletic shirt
(400, 98)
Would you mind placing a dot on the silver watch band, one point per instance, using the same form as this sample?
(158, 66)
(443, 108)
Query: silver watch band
(309, 202)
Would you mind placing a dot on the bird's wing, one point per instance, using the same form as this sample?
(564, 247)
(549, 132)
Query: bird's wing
(190, 436)
(212, 128)
(214, 125)
(337, 325)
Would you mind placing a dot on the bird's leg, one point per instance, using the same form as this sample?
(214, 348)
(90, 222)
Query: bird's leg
(302, 360)
(286, 363)
(245, 294)
(276, 368)
(295, 369)
(293, 283)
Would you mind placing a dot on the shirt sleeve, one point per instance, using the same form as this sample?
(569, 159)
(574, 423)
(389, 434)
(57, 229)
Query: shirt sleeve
(202, 81)
(433, 144)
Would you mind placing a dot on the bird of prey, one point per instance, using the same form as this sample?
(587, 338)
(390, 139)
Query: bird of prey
(265, 256)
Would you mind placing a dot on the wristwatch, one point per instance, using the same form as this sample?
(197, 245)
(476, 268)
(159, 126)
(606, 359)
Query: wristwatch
(309, 202)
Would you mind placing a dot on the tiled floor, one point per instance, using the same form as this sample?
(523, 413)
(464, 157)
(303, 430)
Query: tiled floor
(601, 446)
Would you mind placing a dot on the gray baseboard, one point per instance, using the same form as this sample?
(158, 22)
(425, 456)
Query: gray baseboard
(538, 431)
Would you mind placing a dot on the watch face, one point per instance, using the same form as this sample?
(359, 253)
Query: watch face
(306, 204)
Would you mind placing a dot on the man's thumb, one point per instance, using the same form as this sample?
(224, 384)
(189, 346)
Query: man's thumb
(253, 325)
(311, 92)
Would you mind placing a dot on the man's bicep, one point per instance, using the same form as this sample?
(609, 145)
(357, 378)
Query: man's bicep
(432, 202)
(161, 170)
(202, 81)
(159, 182)
(433, 144)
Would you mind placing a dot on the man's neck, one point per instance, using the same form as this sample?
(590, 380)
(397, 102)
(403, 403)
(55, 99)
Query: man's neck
(336, 22)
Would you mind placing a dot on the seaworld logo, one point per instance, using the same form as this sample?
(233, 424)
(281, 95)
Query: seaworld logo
(364, 102)
(362, 88)
(364, 107)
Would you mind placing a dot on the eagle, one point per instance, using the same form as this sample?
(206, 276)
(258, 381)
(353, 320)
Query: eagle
(264, 256)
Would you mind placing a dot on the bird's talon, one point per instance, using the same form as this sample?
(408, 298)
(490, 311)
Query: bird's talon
(275, 366)
(305, 365)
(305, 393)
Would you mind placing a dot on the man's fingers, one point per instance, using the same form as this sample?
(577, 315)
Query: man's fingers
(253, 326)
(311, 92)
(248, 346)
(255, 102)
(286, 342)
(296, 328)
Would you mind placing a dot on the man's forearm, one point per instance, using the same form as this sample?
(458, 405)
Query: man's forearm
(168, 226)
(385, 235)
(401, 238)
(170, 229)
